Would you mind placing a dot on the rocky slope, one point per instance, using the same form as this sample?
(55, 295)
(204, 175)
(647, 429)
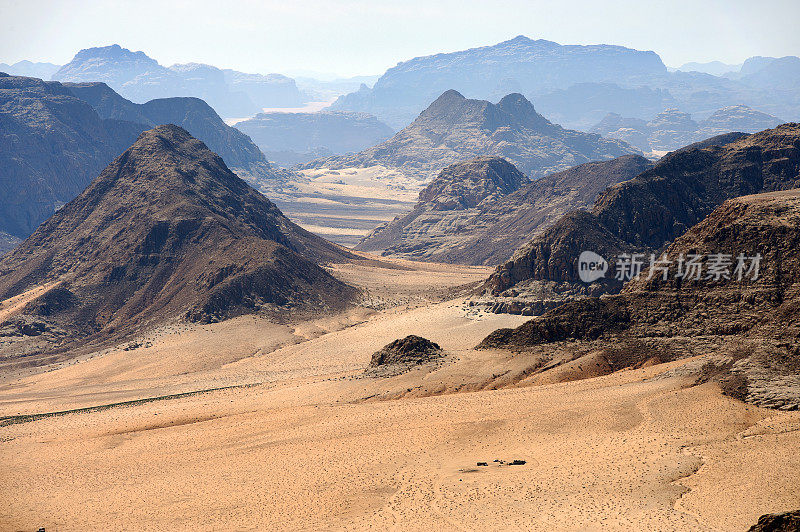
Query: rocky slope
(672, 128)
(195, 116)
(168, 232)
(293, 138)
(140, 78)
(749, 322)
(52, 145)
(651, 210)
(478, 212)
(453, 129)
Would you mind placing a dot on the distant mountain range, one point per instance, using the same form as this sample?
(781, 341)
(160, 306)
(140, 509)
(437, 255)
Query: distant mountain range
(139, 78)
(672, 129)
(478, 211)
(532, 67)
(55, 138)
(294, 138)
(167, 232)
(577, 85)
(30, 69)
(454, 129)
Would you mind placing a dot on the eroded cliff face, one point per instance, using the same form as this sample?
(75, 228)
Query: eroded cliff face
(748, 319)
(648, 212)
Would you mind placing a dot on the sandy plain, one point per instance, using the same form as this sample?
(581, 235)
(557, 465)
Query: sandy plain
(292, 436)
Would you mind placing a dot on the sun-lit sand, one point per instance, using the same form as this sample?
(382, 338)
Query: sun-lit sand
(298, 439)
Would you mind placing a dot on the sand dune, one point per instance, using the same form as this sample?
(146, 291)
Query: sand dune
(310, 445)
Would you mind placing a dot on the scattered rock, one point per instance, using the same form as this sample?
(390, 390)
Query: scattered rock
(783, 522)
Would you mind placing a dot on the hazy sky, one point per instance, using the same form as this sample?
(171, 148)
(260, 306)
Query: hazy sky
(352, 37)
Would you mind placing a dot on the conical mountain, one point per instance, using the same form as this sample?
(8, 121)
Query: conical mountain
(168, 231)
(454, 129)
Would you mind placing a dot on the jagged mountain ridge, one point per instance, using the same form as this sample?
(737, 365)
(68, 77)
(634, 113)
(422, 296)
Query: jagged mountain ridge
(454, 129)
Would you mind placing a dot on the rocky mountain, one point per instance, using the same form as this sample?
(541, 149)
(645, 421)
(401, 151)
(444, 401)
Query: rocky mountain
(747, 321)
(648, 212)
(480, 211)
(292, 138)
(168, 232)
(532, 67)
(195, 116)
(575, 85)
(30, 69)
(140, 78)
(453, 129)
(672, 128)
(52, 144)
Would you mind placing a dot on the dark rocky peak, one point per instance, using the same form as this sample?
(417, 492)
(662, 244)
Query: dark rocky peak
(166, 232)
(467, 185)
(523, 112)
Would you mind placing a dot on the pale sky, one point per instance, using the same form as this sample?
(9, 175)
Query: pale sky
(353, 37)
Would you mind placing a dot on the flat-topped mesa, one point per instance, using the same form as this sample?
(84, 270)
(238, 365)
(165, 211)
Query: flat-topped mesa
(168, 232)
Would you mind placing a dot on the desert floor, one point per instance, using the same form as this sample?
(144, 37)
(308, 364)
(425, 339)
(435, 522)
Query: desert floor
(293, 436)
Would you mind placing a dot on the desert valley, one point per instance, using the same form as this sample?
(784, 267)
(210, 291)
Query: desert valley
(521, 286)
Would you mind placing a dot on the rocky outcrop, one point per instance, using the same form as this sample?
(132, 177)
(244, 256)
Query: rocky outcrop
(454, 129)
(406, 352)
(650, 211)
(781, 522)
(478, 212)
(294, 138)
(168, 232)
(52, 145)
(751, 319)
(672, 128)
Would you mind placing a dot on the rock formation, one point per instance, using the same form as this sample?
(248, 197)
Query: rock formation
(747, 318)
(454, 129)
(480, 211)
(52, 145)
(648, 212)
(168, 232)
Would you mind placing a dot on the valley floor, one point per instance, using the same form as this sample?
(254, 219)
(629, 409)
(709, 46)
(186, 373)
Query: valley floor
(294, 437)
